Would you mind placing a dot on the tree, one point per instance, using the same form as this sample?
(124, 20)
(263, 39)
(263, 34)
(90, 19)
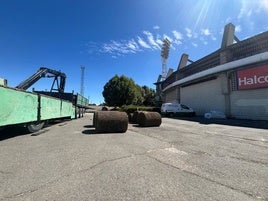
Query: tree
(139, 96)
(148, 96)
(121, 90)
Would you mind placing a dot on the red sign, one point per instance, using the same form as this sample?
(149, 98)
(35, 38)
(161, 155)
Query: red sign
(252, 78)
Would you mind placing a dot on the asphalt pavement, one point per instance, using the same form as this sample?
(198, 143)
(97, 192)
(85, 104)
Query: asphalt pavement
(183, 159)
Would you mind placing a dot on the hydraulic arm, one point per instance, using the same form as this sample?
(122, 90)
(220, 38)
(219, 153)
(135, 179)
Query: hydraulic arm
(59, 79)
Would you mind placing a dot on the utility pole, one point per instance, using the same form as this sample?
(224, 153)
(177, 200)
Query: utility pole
(82, 80)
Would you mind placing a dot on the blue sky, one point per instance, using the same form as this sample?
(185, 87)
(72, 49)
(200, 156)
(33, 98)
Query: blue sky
(111, 37)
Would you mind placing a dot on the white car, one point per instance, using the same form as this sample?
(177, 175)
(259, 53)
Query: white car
(176, 109)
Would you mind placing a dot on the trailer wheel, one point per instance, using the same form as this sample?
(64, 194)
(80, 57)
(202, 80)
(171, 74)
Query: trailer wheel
(36, 126)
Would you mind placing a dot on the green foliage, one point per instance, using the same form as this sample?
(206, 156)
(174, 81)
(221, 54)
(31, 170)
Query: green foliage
(121, 90)
(133, 108)
(148, 95)
(139, 96)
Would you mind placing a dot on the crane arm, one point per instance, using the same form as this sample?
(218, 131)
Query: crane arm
(42, 72)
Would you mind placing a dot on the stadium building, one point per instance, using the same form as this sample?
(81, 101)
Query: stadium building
(233, 79)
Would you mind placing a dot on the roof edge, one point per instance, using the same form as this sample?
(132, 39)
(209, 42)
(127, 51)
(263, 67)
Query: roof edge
(224, 67)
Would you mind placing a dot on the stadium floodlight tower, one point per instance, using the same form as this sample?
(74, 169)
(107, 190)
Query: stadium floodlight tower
(164, 57)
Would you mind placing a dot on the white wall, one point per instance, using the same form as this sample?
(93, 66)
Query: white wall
(171, 95)
(205, 96)
(250, 104)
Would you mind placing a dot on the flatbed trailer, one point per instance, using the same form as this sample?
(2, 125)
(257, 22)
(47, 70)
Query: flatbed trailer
(33, 109)
(79, 101)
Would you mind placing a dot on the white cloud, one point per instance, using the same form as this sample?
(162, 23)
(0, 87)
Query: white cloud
(205, 32)
(151, 40)
(148, 41)
(119, 48)
(156, 27)
(249, 7)
(177, 35)
(143, 43)
(177, 42)
(213, 38)
(264, 4)
(188, 32)
(228, 20)
(169, 38)
(132, 45)
(159, 42)
(194, 44)
(238, 29)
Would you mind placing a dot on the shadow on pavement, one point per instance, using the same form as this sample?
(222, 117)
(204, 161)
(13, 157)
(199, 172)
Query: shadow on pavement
(14, 131)
(260, 124)
(18, 130)
(89, 131)
(93, 132)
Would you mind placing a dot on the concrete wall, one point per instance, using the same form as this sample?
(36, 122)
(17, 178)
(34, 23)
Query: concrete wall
(217, 95)
(250, 104)
(171, 95)
(205, 96)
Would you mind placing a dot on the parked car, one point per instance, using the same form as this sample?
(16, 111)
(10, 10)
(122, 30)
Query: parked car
(176, 109)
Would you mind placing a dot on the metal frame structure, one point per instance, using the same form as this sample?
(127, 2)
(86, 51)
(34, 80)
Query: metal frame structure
(82, 87)
(164, 56)
(59, 79)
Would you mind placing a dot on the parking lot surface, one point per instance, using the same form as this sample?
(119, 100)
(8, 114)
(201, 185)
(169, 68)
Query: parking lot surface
(183, 159)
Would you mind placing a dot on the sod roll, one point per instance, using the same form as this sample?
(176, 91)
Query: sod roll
(130, 117)
(110, 122)
(149, 119)
(134, 119)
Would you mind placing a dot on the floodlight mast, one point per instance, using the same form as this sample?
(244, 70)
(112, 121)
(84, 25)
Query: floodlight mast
(164, 56)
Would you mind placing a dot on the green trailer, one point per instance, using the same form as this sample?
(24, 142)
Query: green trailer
(81, 105)
(79, 101)
(33, 109)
